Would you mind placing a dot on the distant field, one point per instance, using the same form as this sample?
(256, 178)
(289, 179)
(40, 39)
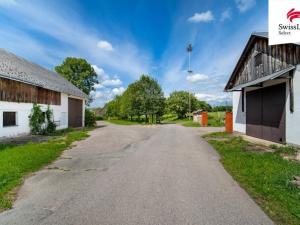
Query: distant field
(215, 119)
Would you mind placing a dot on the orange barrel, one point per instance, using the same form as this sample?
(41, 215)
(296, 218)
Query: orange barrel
(204, 119)
(228, 122)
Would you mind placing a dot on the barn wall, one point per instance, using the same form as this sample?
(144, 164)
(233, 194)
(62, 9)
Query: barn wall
(15, 91)
(293, 119)
(239, 117)
(23, 110)
(274, 59)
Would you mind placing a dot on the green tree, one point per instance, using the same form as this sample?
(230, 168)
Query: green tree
(151, 97)
(131, 102)
(203, 105)
(79, 72)
(143, 97)
(113, 108)
(178, 103)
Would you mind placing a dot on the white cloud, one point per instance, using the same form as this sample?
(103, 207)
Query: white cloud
(98, 86)
(202, 17)
(52, 19)
(100, 72)
(108, 94)
(112, 82)
(104, 79)
(244, 5)
(212, 97)
(196, 78)
(226, 14)
(105, 45)
(118, 91)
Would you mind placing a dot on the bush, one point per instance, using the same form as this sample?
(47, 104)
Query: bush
(50, 125)
(36, 119)
(99, 117)
(41, 122)
(90, 118)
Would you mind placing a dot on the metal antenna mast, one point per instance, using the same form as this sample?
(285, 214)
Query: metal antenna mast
(189, 49)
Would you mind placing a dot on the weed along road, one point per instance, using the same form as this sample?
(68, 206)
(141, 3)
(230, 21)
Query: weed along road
(127, 175)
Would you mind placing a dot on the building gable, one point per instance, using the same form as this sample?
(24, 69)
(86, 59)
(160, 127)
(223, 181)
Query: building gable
(260, 60)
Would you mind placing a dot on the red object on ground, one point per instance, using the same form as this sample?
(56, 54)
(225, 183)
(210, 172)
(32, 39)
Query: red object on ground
(204, 119)
(228, 122)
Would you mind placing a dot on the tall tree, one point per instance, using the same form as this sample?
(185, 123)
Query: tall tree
(151, 97)
(143, 97)
(131, 103)
(178, 103)
(79, 72)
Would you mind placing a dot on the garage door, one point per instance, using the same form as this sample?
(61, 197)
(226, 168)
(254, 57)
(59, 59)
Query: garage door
(265, 113)
(75, 112)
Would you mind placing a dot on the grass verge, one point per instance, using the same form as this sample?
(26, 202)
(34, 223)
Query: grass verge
(190, 124)
(215, 119)
(18, 161)
(265, 176)
(125, 122)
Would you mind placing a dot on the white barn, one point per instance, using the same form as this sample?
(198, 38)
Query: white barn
(23, 83)
(266, 91)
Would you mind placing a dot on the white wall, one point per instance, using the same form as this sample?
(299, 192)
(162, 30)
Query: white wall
(239, 117)
(293, 119)
(60, 113)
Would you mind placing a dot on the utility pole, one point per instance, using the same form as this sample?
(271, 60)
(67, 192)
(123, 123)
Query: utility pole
(189, 49)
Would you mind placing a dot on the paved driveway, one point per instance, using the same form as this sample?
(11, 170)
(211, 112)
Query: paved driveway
(135, 175)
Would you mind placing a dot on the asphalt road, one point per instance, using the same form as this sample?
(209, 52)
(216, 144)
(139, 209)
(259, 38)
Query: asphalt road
(135, 175)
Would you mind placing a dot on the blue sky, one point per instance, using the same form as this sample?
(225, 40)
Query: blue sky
(124, 39)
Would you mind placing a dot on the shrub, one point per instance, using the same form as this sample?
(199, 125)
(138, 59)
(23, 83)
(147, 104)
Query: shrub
(41, 122)
(50, 125)
(36, 119)
(99, 117)
(90, 118)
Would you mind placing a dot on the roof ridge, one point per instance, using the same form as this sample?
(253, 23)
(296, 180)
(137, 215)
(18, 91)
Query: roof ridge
(28, 71)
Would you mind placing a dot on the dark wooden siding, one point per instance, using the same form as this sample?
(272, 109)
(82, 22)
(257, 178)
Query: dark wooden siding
(75, 112)
(14, 91)
(274, 59)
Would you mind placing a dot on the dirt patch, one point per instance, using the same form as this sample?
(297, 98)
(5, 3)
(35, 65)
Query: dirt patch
(258, 148)
(25, 139)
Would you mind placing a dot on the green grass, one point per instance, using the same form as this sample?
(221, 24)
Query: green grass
(125, 122)
(217, 135)
(190, 124)
(287, 150)
(266, 177)
(215, 119)
(18, 161)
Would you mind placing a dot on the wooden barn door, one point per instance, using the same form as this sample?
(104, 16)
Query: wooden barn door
(265, 113)
(75, 112)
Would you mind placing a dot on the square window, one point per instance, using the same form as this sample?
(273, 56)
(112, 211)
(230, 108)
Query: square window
(9, 119)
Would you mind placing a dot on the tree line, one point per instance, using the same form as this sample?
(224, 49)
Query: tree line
(144, 100)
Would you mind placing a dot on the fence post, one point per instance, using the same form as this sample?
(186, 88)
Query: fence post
(204, 119)
(228, 122)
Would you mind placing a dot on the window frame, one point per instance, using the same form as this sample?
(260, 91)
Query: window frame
(15, 122)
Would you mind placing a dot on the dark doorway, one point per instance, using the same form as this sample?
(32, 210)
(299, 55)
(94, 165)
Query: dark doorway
(75, 112)
(265, 113)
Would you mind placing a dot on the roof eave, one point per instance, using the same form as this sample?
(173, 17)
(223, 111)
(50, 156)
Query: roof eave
(250, 41)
